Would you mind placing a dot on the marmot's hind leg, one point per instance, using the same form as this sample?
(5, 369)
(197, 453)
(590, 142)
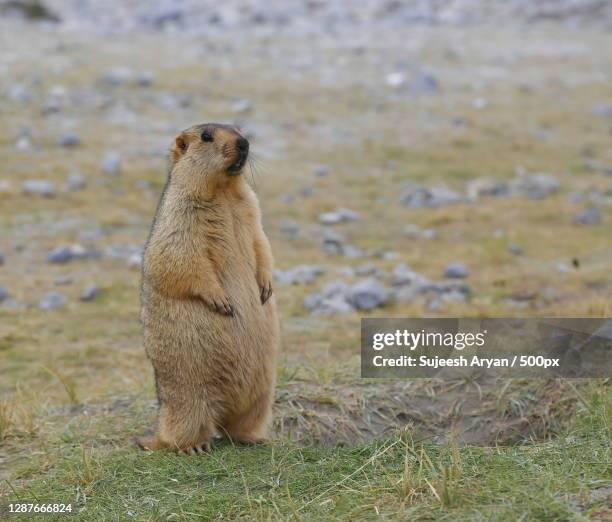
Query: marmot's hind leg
(189, 429)
(251, 427)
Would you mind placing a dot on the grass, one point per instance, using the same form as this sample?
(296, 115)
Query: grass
(395, 478)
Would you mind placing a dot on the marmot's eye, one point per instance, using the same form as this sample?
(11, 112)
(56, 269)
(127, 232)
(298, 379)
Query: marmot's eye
(207, 136)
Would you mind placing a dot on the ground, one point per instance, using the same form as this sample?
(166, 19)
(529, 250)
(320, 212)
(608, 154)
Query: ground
(75, 384)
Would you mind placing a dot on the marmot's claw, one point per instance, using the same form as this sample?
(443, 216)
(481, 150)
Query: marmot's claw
(266, 292)
(198, 450)
(222, 306)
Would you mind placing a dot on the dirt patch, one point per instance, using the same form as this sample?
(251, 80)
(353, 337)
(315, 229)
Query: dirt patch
(478, 413)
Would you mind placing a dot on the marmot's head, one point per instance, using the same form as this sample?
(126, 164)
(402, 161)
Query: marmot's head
(214, 148)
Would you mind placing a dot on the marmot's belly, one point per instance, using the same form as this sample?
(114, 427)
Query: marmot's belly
(188, 342)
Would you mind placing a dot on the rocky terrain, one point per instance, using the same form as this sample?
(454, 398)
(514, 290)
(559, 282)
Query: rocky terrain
(434, 157)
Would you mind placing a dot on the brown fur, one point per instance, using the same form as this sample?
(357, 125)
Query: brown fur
(210, 325)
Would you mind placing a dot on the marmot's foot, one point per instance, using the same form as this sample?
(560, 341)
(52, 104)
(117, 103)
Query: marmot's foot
(220, 304)
(265, 289)
(198, 450)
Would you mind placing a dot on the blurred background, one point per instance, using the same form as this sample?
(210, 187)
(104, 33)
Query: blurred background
(432, 157)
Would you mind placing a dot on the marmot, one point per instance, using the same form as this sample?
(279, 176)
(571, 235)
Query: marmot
(209, 316)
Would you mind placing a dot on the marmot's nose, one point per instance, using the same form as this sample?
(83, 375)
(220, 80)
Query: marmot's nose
(242, 144)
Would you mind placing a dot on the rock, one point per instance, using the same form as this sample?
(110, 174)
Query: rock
(321, 171)
(134, 261)
(66, 253)
(368, 294)
(75, 182)
(395, 79)
(330, 301)
(339, 216)
(403, 275)
(299, 275)
(242, 106)
(333, 242)
(534, 186)
(145, 78)
(117, 76)
(52, 301)
(486, 187)
(366, 269)
(19, 93)
(588, 216)
(69, 139)
(63, 280)
(456, 271)
(413, 231)
(3, 294)
(290, 230)
(515, 249)
(23, 143)
(416, 196)
(90, 293)
(112, 164)
(603, 110)
(1, 259)
(40, 187)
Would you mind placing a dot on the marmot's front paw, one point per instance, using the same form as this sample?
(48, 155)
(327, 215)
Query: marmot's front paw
(220, 304)
(265, 288)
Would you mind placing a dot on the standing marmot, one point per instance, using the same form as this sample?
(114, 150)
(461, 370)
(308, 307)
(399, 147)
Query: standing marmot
(210, 325)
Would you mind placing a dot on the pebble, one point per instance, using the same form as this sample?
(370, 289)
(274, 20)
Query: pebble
(588, 216)
(456, 271)
(242, 106)
(75, 182)
(40, 187)
(299, 275)
(321, 171)
(534, 186)
(414, 231)
(339, 216)
(90, 293)
(52, 301)
(290, 230)
(66, 253)
(416, 196)
(69, 139)
(3, 294)
(112, 164)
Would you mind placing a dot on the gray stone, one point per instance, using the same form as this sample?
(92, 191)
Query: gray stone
(145, 78)
(418, 196)
(321, 171)
(290, 230)
(52, 301)
(368, 294)
(603, 110)
(534, 186)
(456, 271)
(75, 182)
(1, 259)
(112, 164)
(515, 249)
(476, 188)
(366, 269)
(333, 242)
(3, 294)
(19, 93)
(242, 106)
(63, 280)
(40, 187)
(299, 275)
(90, 293)
(414, 231)
(66, 253)
(339, 216)
(588, 216)
(403, 275)
(69, 139)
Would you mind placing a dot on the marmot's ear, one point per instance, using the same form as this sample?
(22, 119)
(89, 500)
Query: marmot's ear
(179, 148)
